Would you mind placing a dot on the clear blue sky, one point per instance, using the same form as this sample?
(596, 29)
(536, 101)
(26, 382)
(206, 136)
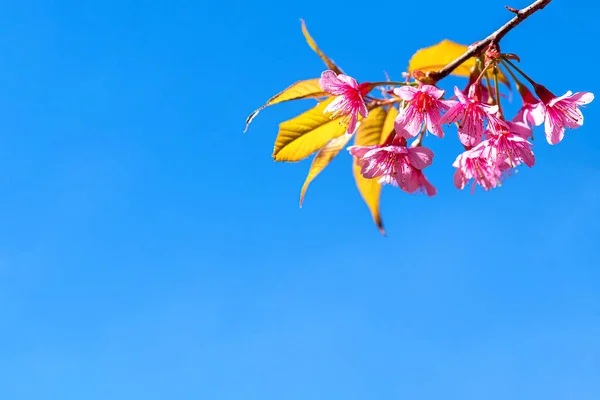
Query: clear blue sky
(150, 250)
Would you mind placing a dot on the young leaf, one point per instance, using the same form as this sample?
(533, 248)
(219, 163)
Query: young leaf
(301, 136)
(373, 130)
(322, 159)
(313, 45)
(439, 55)
(300, 90)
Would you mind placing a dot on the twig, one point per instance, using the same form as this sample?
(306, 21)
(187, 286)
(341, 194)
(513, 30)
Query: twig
(493, 38)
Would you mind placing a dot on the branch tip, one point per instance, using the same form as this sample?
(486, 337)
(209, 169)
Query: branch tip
(478, 47)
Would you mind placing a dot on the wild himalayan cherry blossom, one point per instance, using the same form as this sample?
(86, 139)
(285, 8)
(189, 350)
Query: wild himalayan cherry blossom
(471, 164)
(417, 182)
(348, 102)
(562, 112)
(423, 106)
(486, 163)
(471, 114)
(532, 111)
(508, 145)
(396, 165)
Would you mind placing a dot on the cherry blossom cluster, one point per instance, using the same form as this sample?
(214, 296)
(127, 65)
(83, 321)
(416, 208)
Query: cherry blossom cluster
(494, 145)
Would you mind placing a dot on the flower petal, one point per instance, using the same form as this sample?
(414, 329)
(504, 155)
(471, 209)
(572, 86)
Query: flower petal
(348, 80)
(329, 81)
(582, 97)
(420, 157)
(555, 131)
(432, 91)
(406, 92)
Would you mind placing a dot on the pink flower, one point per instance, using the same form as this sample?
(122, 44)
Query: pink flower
(508, 146)
(423, 105)
(415, 181)
(349, 100)
(472, 114)
(471, 164)
(395, 164)
(562, 112)
(532, 112)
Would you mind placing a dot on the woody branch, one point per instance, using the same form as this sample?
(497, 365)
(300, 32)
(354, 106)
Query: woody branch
(495, 37)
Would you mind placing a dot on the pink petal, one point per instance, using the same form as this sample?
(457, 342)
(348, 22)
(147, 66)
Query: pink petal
(555, 132)
(432, 91)
(436, 129)
(388, 180)
(490, 110)
(576, 122)
(395, 149)
(334, 105)
(461, 96)
(537, 113)
(420, 157)
(406, 92)
(432, 119)
(429, 188)
(348, 80)
(352, 123)
(404, 179)
(449, 103)
(401, 131)
(582, 97)
(362, 109)
(555, 100)
(409, 121)
(360, 151)
(329, 81)
(519, 128)
(528, 158)
(459, 179)
(454, 114)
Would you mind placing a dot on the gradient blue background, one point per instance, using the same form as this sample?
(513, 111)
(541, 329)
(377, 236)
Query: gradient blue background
(150, 250)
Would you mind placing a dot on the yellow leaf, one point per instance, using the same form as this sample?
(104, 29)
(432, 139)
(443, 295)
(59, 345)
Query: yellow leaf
(322, 159)
(300, 90)
(313, 45)
(373, 130)
(436, 57)
(388, 125)
(301, 136)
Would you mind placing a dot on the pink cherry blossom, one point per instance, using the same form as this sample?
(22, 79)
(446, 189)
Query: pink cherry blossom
(349, 100)
(395, 164)
(562, 112)
(417, 182)
(471, 114)
(532, 112)
(471, 164)
(508, 145)
(423, 106)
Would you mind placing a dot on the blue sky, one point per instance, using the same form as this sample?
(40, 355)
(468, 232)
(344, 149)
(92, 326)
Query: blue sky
(151, 250)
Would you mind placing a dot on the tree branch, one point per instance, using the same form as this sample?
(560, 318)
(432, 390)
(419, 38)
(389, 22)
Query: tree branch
(495, 37)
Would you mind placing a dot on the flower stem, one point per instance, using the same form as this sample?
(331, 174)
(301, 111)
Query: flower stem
(523, 74)
(497, 84)
(512, 74)
(373, 85)
(489, 89)
(419, 139)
